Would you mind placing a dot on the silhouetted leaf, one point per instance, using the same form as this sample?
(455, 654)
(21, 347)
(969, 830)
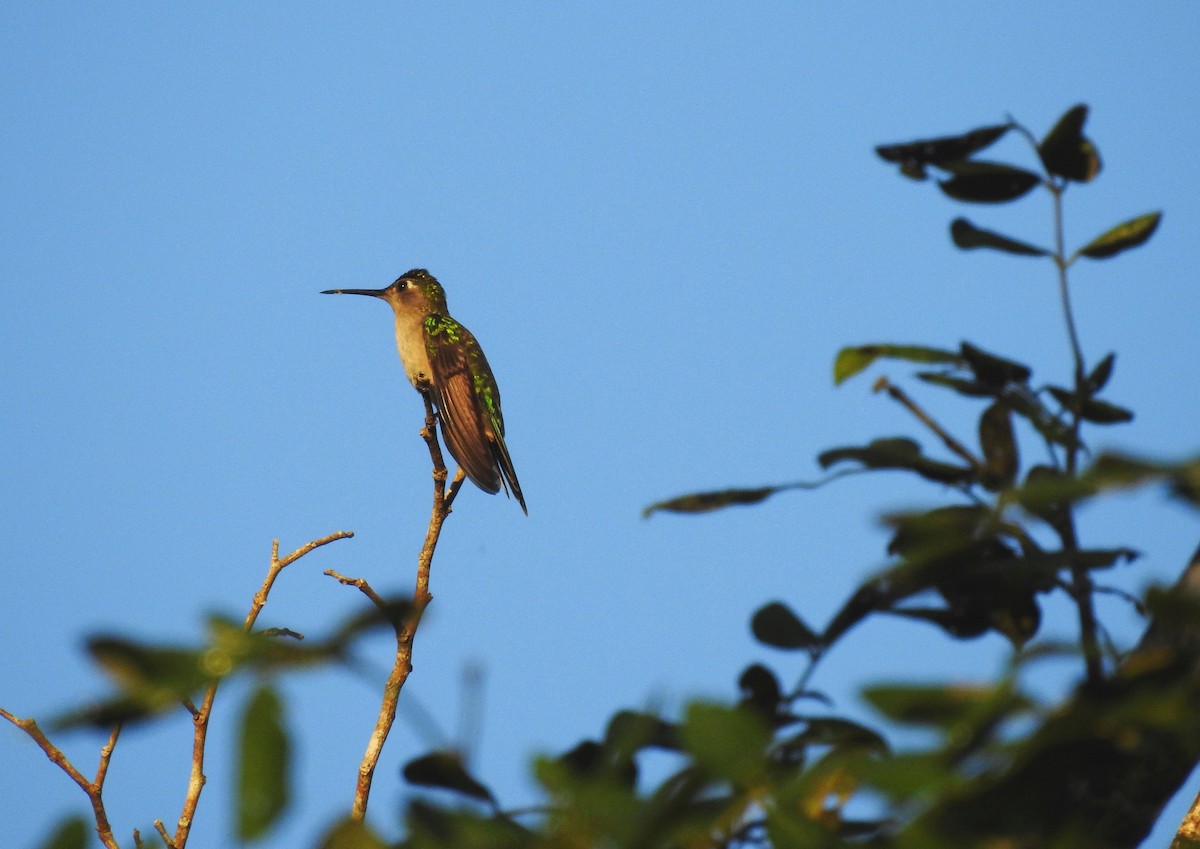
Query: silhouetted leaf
(69, 833)
(896, 453)
(706, 502)
(585, 760)
(1066, 152)
(729, 743)
(850, 361)
(631, 730)
(987, 182)
(991, 369)
(841, 734)
(445, 770)
(1091, 409)
(760, 690)
(967, 236)
(939, 150)
(1124, 236)
(961, 385)
(961, 624)
(1100, 374)
(264, 755)
(999, 447)
(776, 625)
(351, 834)
(941, 529)
(1102, 412)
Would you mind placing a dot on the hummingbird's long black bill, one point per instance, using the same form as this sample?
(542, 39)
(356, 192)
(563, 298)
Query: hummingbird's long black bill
(374, 293)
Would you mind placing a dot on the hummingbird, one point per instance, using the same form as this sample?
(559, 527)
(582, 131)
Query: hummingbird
(441, 358)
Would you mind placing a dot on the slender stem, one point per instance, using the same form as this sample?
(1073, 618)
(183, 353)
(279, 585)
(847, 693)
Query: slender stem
(201, 714)
(1082, 589)
(406, 631)
(1064, 291)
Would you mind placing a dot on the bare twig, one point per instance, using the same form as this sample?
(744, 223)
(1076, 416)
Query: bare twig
(200, 715)
(95, 788)
(407, 629)
(898, 394)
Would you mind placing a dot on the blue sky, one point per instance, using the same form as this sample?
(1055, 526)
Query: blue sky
(661, 220)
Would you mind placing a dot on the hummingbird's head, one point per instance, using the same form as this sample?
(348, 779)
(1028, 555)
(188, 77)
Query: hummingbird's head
(414, 292)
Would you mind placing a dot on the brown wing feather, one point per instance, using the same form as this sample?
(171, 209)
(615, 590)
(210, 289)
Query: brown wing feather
(465, 425)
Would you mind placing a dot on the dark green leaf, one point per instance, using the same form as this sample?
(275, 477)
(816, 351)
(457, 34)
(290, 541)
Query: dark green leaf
(70, 833)
(706, 502)
(931, 705)
(445, 770)
(1124, 236)
(992, 370)
(1066, 152)
(264, 765)
(987, 182)
(1100, 374)
(967, 236)
(961, 385)
(776, 625)
(730, 743)
(351, 834)
(999, 447)
(154, 678)
(850, 361)
(941, 529)
(940, 150)
(1022, 401)
(1054, 513)
(896, 453)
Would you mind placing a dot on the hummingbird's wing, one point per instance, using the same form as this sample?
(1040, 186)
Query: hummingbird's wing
(468, 405)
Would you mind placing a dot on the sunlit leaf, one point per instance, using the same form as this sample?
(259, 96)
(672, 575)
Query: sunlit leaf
(1124, 236)
(446, 771)
(937, 151)
(264, 754)
(706, 502)
(776, 625)
(938, 705)
(850, 361)
(967, 236)
(987, 182)
(1066, 152)
(70, 833)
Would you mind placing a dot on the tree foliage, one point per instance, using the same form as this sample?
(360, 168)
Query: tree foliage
(772, 765)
